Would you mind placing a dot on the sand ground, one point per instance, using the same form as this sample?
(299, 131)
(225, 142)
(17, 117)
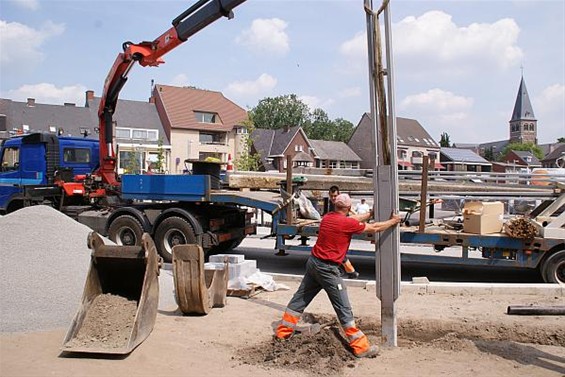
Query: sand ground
(438, 334)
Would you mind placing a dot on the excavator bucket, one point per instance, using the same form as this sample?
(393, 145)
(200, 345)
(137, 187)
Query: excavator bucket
(120, 298)
(198, 289)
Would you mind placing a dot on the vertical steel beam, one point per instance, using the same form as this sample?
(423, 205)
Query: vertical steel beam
(387, 243)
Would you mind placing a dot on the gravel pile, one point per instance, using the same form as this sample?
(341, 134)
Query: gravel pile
(44, 260)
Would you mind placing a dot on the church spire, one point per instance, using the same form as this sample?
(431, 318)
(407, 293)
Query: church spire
(523, 124)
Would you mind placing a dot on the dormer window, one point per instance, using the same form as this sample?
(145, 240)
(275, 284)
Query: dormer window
(204, 117)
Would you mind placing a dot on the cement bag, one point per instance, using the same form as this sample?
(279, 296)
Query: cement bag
(307, 209)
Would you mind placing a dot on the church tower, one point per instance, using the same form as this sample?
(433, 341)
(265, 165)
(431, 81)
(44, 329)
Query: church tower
(523, 125)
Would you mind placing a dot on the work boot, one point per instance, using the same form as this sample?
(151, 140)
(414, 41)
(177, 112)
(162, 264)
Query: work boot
(372, 352)
(287, 325)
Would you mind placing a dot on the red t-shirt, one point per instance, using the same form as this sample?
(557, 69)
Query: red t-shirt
(335, 235)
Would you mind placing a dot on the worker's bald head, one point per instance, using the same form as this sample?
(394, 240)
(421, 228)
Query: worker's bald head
(343, 201)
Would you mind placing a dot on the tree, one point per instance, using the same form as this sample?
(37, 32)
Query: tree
(561, 140)
(444, 140)
(530, 147)
(489, 154)
(160, 163)
(278, 112)
(247, 161)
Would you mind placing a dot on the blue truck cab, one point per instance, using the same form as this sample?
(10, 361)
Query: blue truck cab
(29, 164)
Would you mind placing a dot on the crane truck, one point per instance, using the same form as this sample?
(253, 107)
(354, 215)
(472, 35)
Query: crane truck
(179, 209)
(79, 177)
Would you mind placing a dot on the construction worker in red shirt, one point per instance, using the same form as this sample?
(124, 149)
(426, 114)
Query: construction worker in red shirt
(333, 193)
(322, 272)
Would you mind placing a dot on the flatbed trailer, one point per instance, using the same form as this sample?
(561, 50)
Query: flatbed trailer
(498, 249)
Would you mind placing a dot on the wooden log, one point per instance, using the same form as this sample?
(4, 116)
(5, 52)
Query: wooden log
(322, 183)
(535, 310)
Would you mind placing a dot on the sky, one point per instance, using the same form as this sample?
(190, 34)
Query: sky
(457, 64)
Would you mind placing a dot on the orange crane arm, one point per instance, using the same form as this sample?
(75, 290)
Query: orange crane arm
(192, 20)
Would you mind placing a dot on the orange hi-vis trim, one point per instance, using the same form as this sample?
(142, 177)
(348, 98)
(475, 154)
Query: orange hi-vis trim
(358, 341)
(287, 326)
(348, 266)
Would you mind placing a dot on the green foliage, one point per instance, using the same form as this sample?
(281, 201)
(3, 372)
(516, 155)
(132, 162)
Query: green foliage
(322, 128)
(531, 147)
(561, 140)
(247, 161)
(288, 110)
(278, 112)
(444, 140)
(132, 165)
(160, 163)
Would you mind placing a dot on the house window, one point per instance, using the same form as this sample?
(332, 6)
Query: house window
(77, 155)
(123, 133)
(241, 130)
(152, 135)
(211, 138)
(402, 154)
(139, 134)
(203, 117)
(333, 164)
(417, 154)
(299, 148)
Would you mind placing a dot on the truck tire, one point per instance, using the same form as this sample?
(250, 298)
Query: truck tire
(173, 231)
(553, 269)
(126, 230)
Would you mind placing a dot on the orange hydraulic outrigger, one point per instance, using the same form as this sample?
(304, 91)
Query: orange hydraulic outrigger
(195, 18)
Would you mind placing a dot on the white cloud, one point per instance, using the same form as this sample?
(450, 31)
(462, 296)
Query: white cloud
(549, 108)
(435, 41)
(435, 37)
(354, 51)
(49, 94)
(437, 101)
(439, 111)
(263, 84)
(21, 45)
(180, 80)
(28, 4)
(266, 36)
(351, 92)
(314, 102)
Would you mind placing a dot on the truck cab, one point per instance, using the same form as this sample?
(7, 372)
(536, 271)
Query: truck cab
(30, 163)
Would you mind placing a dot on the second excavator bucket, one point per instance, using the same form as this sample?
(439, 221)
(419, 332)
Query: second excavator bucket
(120, 298)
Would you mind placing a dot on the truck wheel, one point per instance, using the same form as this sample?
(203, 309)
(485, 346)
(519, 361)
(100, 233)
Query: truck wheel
(553, 270)
(173, 231)
(126, 230)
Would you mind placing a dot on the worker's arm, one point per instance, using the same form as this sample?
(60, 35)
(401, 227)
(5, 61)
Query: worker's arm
(363, 217)
(382, 225)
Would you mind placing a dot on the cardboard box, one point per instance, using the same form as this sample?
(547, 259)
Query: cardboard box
(483, 217)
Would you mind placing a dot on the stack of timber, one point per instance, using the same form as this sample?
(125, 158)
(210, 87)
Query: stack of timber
(270, 181)
(520, 227)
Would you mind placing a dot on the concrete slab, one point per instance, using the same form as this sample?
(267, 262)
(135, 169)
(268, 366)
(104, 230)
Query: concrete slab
(463, 289)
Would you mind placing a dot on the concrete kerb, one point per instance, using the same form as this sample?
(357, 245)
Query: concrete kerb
(467, 289)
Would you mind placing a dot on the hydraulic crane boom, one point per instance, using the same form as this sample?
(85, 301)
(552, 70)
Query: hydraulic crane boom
(192, 20)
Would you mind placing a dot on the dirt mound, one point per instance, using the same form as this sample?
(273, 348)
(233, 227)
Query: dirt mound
(327, 354)
(108, 323)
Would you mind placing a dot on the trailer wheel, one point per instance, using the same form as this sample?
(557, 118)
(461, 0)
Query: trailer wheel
(173, 231)
(126, 230)
(553, 269)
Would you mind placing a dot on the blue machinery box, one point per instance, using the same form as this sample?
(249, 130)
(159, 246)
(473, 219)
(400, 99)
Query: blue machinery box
(166, 187)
